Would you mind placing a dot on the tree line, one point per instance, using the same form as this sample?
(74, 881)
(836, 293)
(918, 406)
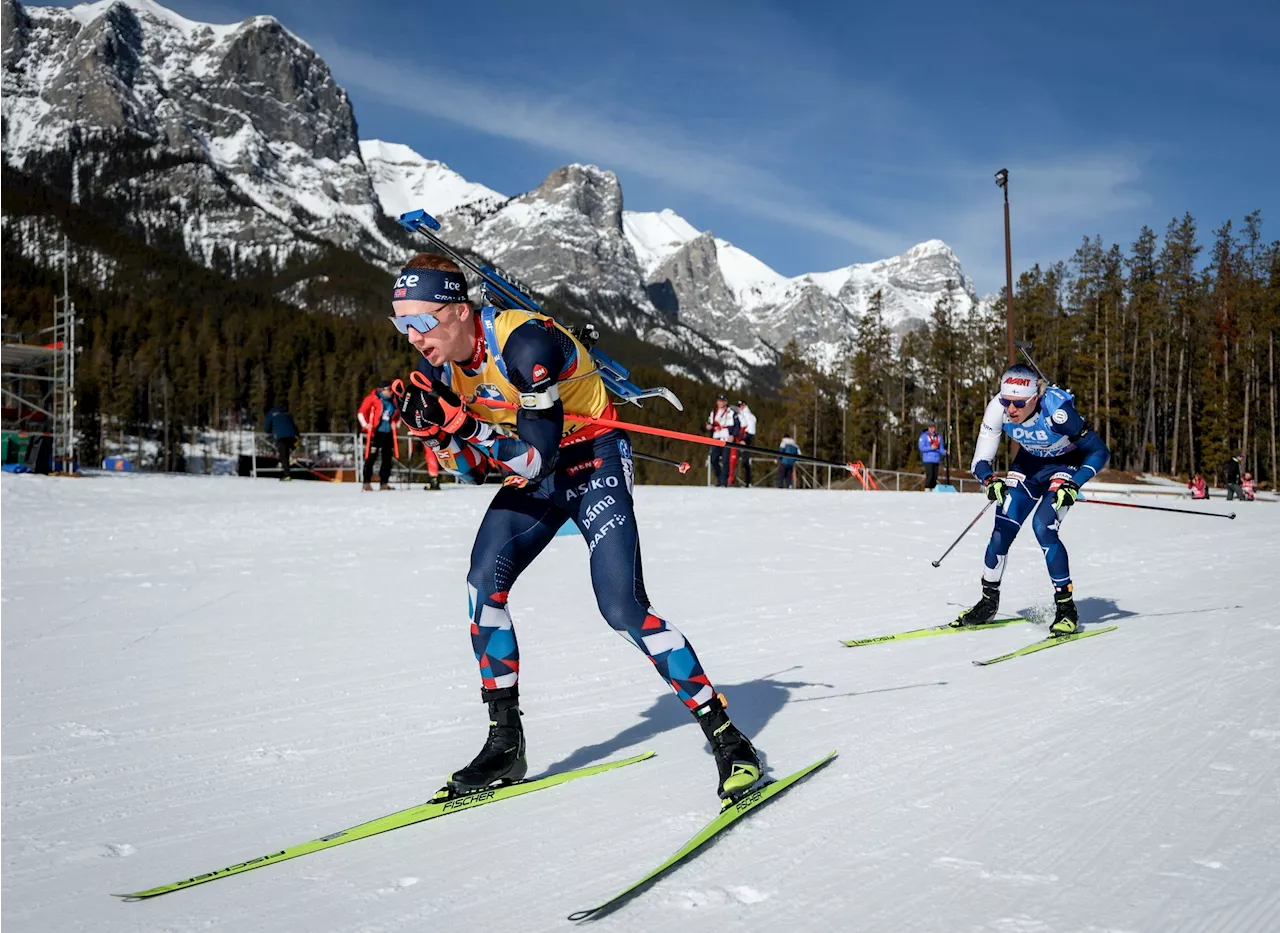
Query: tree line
(1169, 347)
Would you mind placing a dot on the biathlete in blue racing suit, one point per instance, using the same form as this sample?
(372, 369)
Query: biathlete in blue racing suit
(1060, 453)
(490, 394)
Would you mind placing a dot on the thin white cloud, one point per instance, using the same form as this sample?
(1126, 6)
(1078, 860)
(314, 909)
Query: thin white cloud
(653, 149)
(1055, 201)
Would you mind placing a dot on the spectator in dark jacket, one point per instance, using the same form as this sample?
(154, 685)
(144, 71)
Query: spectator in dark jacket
(932, 451)
(1233, 470)
(284, 429)
(787, 464)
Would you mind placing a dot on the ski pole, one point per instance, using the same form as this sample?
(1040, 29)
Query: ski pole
(681, 465)
(665, 432)
(939, 561)
(1159, 508)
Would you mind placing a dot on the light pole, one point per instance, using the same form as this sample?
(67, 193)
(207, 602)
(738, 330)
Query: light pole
(1002, 180)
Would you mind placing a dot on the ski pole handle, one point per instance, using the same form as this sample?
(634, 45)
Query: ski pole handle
(967, 527)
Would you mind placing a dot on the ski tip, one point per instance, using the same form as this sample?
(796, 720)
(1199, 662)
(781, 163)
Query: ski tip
(582, 914)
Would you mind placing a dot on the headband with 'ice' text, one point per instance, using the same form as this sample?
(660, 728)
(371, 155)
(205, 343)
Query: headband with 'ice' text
(430, 285)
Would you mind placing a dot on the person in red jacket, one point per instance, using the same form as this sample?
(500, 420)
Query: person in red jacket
(1199, 488)
(378, 418)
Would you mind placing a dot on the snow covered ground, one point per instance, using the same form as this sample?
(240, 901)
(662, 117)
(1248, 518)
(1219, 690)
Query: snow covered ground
(200, 670)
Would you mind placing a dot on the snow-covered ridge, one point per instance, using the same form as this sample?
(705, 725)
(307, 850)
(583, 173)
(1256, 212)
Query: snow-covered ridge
(406, 181)
(571, 232)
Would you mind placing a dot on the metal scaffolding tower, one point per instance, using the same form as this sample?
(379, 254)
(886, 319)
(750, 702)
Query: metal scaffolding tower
(39, 377)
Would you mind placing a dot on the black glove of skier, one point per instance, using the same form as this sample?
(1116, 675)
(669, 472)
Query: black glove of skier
(429, 407)
(1065, 496)
(996, 489)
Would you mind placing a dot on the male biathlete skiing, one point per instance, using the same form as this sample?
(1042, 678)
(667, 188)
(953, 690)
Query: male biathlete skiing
(1060, 453)
(553, 471)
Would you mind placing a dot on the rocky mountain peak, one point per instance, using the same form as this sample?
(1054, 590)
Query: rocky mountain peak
(592, 192)
(244, 122)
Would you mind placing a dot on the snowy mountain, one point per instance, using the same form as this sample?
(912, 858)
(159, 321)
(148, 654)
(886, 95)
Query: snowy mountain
(721, 289)
(405, 181)
(570, 235)
(233, 145)
(233, 138)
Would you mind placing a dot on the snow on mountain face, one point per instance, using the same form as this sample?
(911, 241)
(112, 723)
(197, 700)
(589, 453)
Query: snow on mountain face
(570, 233)
(720, 289)
(656, 236)
(405, 181)
(566, 233)
(249, 138)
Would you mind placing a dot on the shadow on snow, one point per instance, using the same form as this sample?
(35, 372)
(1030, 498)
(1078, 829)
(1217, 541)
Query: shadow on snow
(751, 705)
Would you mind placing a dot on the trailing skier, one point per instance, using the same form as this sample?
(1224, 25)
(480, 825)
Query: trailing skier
(553, 472)
(1060, 453)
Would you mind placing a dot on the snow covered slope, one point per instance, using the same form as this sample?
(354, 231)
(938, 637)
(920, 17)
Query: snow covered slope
(406, 181)
(196, 671)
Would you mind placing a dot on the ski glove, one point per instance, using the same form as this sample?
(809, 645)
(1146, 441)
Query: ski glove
(429, 407)
(997, 489)
(1064, 497)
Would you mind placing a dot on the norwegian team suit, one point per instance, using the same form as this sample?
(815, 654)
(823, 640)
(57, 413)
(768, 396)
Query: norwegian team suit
(573, 471)
(1057, 445)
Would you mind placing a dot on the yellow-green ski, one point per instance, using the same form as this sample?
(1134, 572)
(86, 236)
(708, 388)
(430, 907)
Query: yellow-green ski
(418, 814)
(1051, 642)
(933, 630)
(728, 816)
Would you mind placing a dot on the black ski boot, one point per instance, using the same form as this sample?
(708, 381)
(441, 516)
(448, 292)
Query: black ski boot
(1066, 621)
(502, 758)
(736, 759)
(984, 610)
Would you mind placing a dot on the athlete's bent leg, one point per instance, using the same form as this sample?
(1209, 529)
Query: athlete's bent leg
(516, 528)
(602, 508)
(514, 531)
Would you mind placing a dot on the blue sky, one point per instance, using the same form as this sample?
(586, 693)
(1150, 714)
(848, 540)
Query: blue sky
(815, 135)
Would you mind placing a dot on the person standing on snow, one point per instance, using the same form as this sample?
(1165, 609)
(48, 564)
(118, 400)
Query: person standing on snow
(1233, 470)
(281, 426)
(931, 453)
(553, 472)
(1059, 454)
(746, 435)
(722, 425)
(378, 418)
(787, 462)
